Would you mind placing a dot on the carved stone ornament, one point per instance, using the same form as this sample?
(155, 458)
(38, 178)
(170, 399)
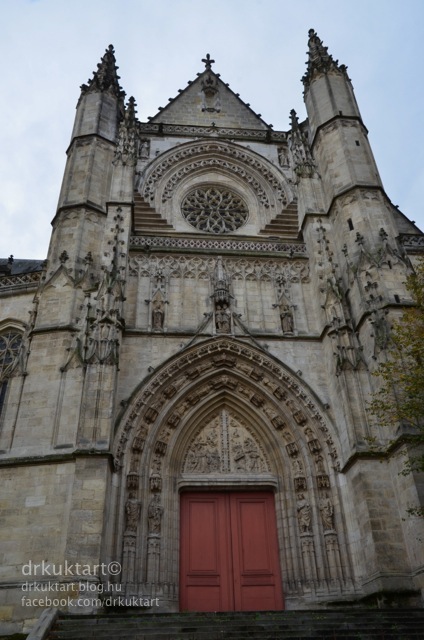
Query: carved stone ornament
(200, 268)
(327, 513)
(132, 513)
(286, 317)
(126, 147)
(304, 514)
(214, 209)
(225, 445)
(154, 514)
(221, 244)
(211, 99)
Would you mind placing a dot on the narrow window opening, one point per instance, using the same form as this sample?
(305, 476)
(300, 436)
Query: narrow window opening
(357, 143)
(389, 263)
(3, 388)
(10, 347)
(350, 224)
(397, 299)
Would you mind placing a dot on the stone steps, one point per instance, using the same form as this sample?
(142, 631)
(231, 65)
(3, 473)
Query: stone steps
(145, 217)
(284, 223)
(390, 624)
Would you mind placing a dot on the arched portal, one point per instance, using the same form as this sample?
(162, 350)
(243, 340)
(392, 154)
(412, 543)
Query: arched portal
(224, 416)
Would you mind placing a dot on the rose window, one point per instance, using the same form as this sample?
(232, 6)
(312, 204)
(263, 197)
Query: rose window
(214, 210)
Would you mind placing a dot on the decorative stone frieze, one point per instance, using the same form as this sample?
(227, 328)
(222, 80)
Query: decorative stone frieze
(218, 245)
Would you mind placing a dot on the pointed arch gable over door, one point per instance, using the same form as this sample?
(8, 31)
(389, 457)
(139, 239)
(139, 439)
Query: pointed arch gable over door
(225, 416)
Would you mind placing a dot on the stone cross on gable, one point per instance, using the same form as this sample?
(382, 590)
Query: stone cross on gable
(208, 62)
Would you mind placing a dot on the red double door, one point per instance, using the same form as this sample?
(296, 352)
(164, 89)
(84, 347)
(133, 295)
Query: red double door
(229, 552)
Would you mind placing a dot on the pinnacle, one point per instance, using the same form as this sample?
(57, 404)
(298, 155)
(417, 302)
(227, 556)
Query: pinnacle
(319, 60)
(294, 120)
(130, 112)
(106, 77)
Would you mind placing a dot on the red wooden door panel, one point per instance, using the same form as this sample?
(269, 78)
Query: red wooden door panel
(205, 554)
(229, 552)
(257, 582)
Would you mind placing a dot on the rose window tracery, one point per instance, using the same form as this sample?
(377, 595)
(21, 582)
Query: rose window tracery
(214, 209)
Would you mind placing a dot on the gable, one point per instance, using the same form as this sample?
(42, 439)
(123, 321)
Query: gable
(209, 102)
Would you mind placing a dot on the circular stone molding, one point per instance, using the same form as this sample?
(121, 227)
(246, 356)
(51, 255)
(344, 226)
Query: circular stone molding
(213, 209)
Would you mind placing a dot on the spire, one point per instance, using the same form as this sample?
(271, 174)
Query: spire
(319, 60)
(106, 77)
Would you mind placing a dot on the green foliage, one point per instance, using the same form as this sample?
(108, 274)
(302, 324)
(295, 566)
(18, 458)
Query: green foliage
(400, 399)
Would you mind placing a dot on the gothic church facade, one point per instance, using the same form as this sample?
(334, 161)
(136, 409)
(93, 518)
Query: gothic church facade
(184, 380)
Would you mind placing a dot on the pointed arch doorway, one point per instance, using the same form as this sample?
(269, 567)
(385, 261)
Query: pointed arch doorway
(229, 557)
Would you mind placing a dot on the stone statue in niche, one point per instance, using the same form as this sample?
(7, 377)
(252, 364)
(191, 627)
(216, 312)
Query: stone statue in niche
(158, 315)
(223, 319)
(287, 436)
(154, 514)
(297, 467)
(319, 460)
(309, 433)
(132, 513)
(327, 513)
(286, 317)
(283, 158)
(304, 514)
(144, 149)
(333, 303)
(381, 331)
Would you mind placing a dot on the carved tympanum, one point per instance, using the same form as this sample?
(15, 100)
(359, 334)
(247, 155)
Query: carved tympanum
(225, 445)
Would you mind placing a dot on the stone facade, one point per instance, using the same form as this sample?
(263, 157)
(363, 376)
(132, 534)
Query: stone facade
(215, 299)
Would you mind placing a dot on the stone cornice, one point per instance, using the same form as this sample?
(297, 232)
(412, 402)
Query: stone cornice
(161, 129)
(52, 458)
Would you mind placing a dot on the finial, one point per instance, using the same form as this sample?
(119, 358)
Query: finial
(208, 62)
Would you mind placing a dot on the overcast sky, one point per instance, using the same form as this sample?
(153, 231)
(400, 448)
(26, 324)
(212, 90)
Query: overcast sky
(50, 47)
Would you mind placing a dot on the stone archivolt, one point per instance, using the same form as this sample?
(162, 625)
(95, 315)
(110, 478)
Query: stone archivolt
(225, 413)
(227, 366)
(269, 185)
